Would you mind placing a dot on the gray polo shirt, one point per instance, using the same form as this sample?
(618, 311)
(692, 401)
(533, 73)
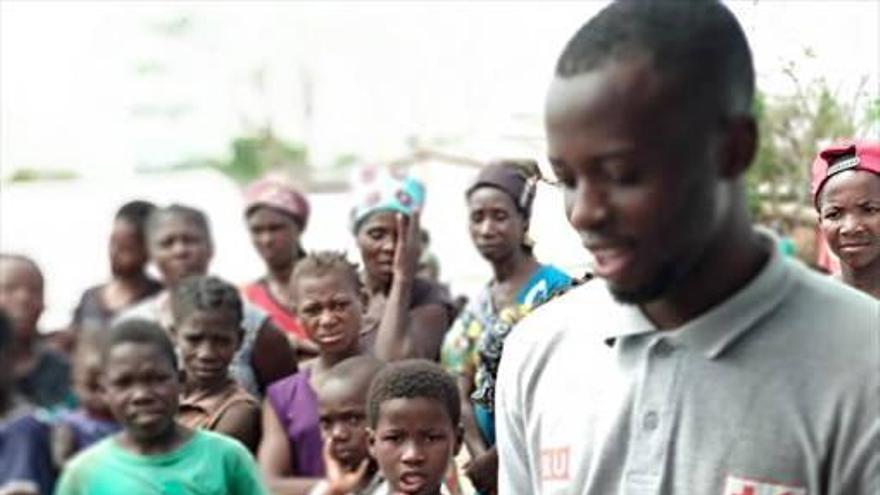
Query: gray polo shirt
(775, 391)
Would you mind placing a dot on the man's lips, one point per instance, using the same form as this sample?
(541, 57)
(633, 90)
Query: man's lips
(855, 246)
(611, 259)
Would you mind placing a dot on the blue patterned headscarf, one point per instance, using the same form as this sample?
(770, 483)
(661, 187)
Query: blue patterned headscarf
(380, 189)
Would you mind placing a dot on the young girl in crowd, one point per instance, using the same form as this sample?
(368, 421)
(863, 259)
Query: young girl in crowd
(129, 283)
(153, 453)
(406, 316)
(207, 329)
(42, 376)
(846, 192)
(342, 409)
(76, 430)
(499, 205)
(276, 215)
(25, 455)
(179, 240)
(329, 301)
(414, 412)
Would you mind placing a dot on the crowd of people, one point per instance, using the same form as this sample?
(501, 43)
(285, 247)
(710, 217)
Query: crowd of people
(695, 357)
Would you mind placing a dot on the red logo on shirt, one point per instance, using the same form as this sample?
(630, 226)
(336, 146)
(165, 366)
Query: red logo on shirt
(743, 486)
(554, 464)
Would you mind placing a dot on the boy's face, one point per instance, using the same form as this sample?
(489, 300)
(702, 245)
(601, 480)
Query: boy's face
(342, 413)
(640, 174)
(413, 442)
(330, 309)
(87, 371)
(142, 389)
(128, 252)
(21, 295)
(207, 341)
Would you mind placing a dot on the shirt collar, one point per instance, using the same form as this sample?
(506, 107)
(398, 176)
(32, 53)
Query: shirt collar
(715, 331)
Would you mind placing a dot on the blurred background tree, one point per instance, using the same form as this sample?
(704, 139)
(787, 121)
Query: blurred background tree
(792, 129)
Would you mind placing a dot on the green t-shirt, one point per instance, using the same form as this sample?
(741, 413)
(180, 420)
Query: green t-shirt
(207, 464)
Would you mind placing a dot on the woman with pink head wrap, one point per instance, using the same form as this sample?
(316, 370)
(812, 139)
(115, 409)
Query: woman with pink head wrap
(846, 192)
(276, 214)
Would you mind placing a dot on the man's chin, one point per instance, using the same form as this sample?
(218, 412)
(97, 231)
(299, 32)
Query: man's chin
(644, 293)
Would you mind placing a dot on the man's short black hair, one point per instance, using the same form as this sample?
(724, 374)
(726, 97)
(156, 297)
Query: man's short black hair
(699, 43)
(205, 293)
(191, 214)
(136, 213)
(412, 379)
(140, 331)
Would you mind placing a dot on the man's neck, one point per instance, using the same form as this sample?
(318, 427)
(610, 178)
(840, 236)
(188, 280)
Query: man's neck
(727, 265)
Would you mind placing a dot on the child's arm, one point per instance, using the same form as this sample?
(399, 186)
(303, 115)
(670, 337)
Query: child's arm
(274, 458)
(273, 357)
(242, 422)
(63, 444)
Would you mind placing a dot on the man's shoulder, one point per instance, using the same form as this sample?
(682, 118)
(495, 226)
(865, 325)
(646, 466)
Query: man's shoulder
(820, 299)
(566, 310)
(576, 310)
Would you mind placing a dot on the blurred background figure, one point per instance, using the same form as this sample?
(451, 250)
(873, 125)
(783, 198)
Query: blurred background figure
(499, 208)
(129, 283)
(276, 214)
(180, 245)
(93, 420)
(42, 375)
(407, 316)
(25, 456)
(846, 192)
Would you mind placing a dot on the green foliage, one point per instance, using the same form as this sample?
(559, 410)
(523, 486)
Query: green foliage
(253, 156)
(33, 175)
(792, 128)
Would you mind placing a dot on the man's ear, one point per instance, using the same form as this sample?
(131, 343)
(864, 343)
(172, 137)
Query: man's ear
(739, 147)
(371, 442)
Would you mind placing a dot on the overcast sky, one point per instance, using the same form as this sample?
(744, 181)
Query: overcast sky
(104, 87)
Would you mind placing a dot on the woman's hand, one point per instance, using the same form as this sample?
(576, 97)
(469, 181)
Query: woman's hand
(407, 248)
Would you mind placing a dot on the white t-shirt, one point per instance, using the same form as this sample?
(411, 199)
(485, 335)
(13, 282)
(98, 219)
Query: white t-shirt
(775, 391)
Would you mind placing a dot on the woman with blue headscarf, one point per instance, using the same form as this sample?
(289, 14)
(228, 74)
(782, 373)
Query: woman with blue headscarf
(407, 316)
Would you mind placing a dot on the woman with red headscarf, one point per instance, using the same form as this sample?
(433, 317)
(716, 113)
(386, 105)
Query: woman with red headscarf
(846, 192)
(276, 214)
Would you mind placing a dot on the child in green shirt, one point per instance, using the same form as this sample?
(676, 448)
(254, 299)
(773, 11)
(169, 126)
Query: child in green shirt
(154, 454)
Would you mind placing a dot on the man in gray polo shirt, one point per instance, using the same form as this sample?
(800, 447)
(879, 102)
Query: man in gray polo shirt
(703, 362)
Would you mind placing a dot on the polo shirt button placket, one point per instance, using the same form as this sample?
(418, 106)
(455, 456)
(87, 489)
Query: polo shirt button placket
(663, 349)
